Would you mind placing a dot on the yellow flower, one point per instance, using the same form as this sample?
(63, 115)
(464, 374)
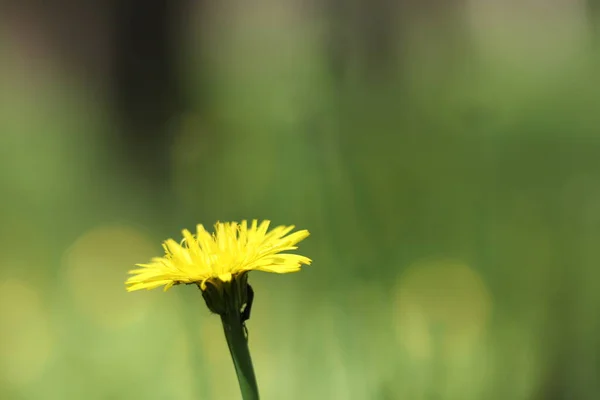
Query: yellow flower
(232, 250)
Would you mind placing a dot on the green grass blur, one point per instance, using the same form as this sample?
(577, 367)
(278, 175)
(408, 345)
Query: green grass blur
(454, 207)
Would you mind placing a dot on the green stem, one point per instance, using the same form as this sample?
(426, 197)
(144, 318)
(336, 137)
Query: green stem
(238, 347)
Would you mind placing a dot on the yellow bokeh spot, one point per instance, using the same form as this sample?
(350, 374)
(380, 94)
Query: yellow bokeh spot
(96, 267)
(25, 336)
(441, 306)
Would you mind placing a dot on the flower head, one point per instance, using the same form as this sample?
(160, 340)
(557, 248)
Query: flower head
(231, 250)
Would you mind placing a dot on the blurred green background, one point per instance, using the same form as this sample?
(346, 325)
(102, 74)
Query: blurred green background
(444, 155)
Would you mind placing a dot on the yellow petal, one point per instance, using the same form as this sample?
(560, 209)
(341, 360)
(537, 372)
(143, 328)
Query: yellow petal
(226, 277)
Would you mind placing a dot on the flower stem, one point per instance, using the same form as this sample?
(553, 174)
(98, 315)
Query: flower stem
(240, 354)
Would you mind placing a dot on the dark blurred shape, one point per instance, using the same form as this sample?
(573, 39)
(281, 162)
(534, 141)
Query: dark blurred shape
(444, 23)
(377, 34)
(364, 31)
(338, 41)
(128, 49)
(148, 95)
(593, 9)
(552, 386)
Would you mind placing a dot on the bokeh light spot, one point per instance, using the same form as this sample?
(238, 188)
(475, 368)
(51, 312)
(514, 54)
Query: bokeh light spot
(96, 270)
(441, 305)
(25, 336)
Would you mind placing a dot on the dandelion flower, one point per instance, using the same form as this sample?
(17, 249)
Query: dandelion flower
(213, 259)
(219, 264)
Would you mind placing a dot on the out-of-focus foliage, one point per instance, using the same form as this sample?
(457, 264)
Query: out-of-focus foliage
(453, 204)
